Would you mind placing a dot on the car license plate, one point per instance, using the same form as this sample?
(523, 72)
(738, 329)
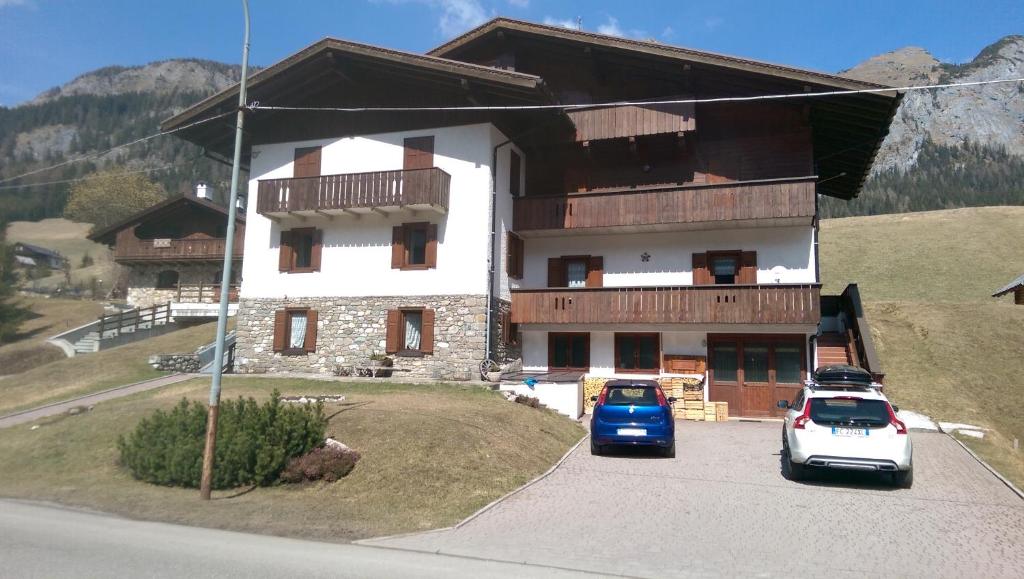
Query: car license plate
(632, 432)
(843, 431)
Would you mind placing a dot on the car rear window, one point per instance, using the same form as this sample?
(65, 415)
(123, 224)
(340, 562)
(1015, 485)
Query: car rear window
(849, 411)
(631, 395)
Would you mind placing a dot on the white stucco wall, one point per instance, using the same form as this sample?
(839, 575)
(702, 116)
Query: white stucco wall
(565, 398)
(784, 254)
(356, 258)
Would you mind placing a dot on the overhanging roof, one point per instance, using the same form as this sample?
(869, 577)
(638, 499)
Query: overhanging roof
(108, 234)
(848, 129)
(1013, 285)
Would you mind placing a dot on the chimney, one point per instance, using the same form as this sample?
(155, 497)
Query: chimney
(204, 191)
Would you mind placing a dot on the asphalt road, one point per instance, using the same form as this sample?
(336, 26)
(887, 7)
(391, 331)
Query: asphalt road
(48, 541)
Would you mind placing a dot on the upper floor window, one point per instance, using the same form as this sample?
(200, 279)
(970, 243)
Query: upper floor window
(414, 246)
(576, 271)
(514, 177)
(515, 256)
(307, 162)
(725, 267)
(300, 250)
(419, 153)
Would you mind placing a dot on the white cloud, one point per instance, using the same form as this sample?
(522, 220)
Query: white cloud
(611, 28)
(713, 22)
(669, 32)
(458, 16)
(566, 23)
(520, 3)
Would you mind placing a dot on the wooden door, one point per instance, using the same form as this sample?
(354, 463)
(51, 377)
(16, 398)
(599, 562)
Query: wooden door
(303, 192)
(419, 153)
(753, 372)
(307, 162)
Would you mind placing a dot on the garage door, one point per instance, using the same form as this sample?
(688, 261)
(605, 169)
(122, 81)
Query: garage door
(753, 372)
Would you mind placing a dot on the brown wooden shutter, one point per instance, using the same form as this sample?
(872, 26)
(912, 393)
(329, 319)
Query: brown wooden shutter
(555, 272)
(397, 246)
(507, 335)
(595, 271)
(307, 162)
(309, 344)
(419, 153)
(701, 275)
(427, 332)
(317, 250)
(514, 174)
(748, 268)
(284, 256)
(514, 259)
(280, 330)
(431, 245)
(393, 332)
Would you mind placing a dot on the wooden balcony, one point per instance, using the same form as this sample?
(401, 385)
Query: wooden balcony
(767, 202)
(711, 304)
(355, 193)
(129, 248)
(205, 293)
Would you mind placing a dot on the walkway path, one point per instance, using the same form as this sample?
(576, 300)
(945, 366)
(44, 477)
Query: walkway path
(90, 399)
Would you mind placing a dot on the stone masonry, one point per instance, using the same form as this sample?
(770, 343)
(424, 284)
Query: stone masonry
(351, 329)
(142, 290)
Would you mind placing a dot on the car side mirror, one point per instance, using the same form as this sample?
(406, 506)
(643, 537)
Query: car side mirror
(593, 398)
(895, 409)
(671, 399)
(783, 404)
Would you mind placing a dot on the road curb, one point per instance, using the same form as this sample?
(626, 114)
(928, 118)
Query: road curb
(83, 397)
(510, 494)
(1002, 479)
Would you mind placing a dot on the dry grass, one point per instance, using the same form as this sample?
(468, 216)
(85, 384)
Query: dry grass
(71, 377)
(68, 238)
(46, 318)
(948, 348)
(431, 456)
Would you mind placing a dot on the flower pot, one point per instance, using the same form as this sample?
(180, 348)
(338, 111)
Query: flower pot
(494, 376)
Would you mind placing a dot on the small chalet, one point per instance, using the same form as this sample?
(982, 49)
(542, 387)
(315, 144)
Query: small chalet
(174, 251)
(29, 255)
(1017, 287)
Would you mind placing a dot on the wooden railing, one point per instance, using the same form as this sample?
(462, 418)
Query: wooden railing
(713, 304)
(131, 248)
(207, 293)
(751, 200)
(130, 320)
(423, 187)
(860, 333)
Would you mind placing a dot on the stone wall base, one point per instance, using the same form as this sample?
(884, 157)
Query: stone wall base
(351, 329)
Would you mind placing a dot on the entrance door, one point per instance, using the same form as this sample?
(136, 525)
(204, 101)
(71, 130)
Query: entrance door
(753, 372)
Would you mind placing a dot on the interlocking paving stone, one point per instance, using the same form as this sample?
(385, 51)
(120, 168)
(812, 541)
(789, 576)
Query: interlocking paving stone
(722, 508)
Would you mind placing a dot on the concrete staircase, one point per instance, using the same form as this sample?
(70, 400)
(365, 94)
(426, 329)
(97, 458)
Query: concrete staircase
(116, 329)
(833, 348)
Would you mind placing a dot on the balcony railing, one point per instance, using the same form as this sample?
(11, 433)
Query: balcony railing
(712, 304)
(356, 192)
(659, 207)
(131, 248)
(205, 293)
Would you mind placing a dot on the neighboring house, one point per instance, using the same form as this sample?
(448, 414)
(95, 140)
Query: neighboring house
(1017, 287)
(29, 255)
(640, 241)
(174, 252)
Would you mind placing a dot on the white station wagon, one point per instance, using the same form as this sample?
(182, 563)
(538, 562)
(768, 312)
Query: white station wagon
(848, 425)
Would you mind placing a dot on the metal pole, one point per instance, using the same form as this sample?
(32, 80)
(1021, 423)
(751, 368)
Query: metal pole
(225, 280)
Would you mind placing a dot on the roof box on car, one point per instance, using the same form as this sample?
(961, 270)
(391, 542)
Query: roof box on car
(843, 375)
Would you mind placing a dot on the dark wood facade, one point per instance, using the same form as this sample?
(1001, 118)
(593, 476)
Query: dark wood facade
(356, 192)
(710, 304)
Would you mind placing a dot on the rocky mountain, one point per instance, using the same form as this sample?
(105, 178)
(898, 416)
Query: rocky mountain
(991, 115)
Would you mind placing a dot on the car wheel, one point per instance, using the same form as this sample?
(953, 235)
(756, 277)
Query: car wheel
(595, 448)
(793, 471)
(669, 451)
(904, 479)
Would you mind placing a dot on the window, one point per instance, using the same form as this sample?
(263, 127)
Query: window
(410, 332)
(300, 250)
(167, 279)
(414, 246)
(307, 162)
(509, 330)
(576, 271)
(724, 267)
(569, 351)
(515, 256)
(755, 362)
(788, 363)
(295, 331)
(637, 353)
(514, 174)
(419, 153)
(724, 366)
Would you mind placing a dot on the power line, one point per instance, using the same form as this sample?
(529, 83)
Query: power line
(801, 95)
(112, 149)
(90, 177)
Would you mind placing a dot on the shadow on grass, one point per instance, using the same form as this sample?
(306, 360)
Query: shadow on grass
(237, 494)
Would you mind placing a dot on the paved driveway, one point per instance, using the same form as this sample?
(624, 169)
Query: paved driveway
(722, 508)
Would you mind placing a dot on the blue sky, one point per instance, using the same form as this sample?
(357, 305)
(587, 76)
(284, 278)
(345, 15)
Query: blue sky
(44, 43)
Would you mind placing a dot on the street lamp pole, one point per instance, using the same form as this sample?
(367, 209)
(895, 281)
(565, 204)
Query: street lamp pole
(225, 281)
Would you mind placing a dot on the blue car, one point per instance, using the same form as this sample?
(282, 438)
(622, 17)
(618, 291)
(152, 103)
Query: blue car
(633, 413)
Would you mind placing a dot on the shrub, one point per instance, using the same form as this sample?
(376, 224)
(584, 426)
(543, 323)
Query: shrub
(254, 442)
(329, 464)
(528, 401)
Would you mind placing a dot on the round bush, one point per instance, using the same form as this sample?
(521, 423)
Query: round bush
(254, 442)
